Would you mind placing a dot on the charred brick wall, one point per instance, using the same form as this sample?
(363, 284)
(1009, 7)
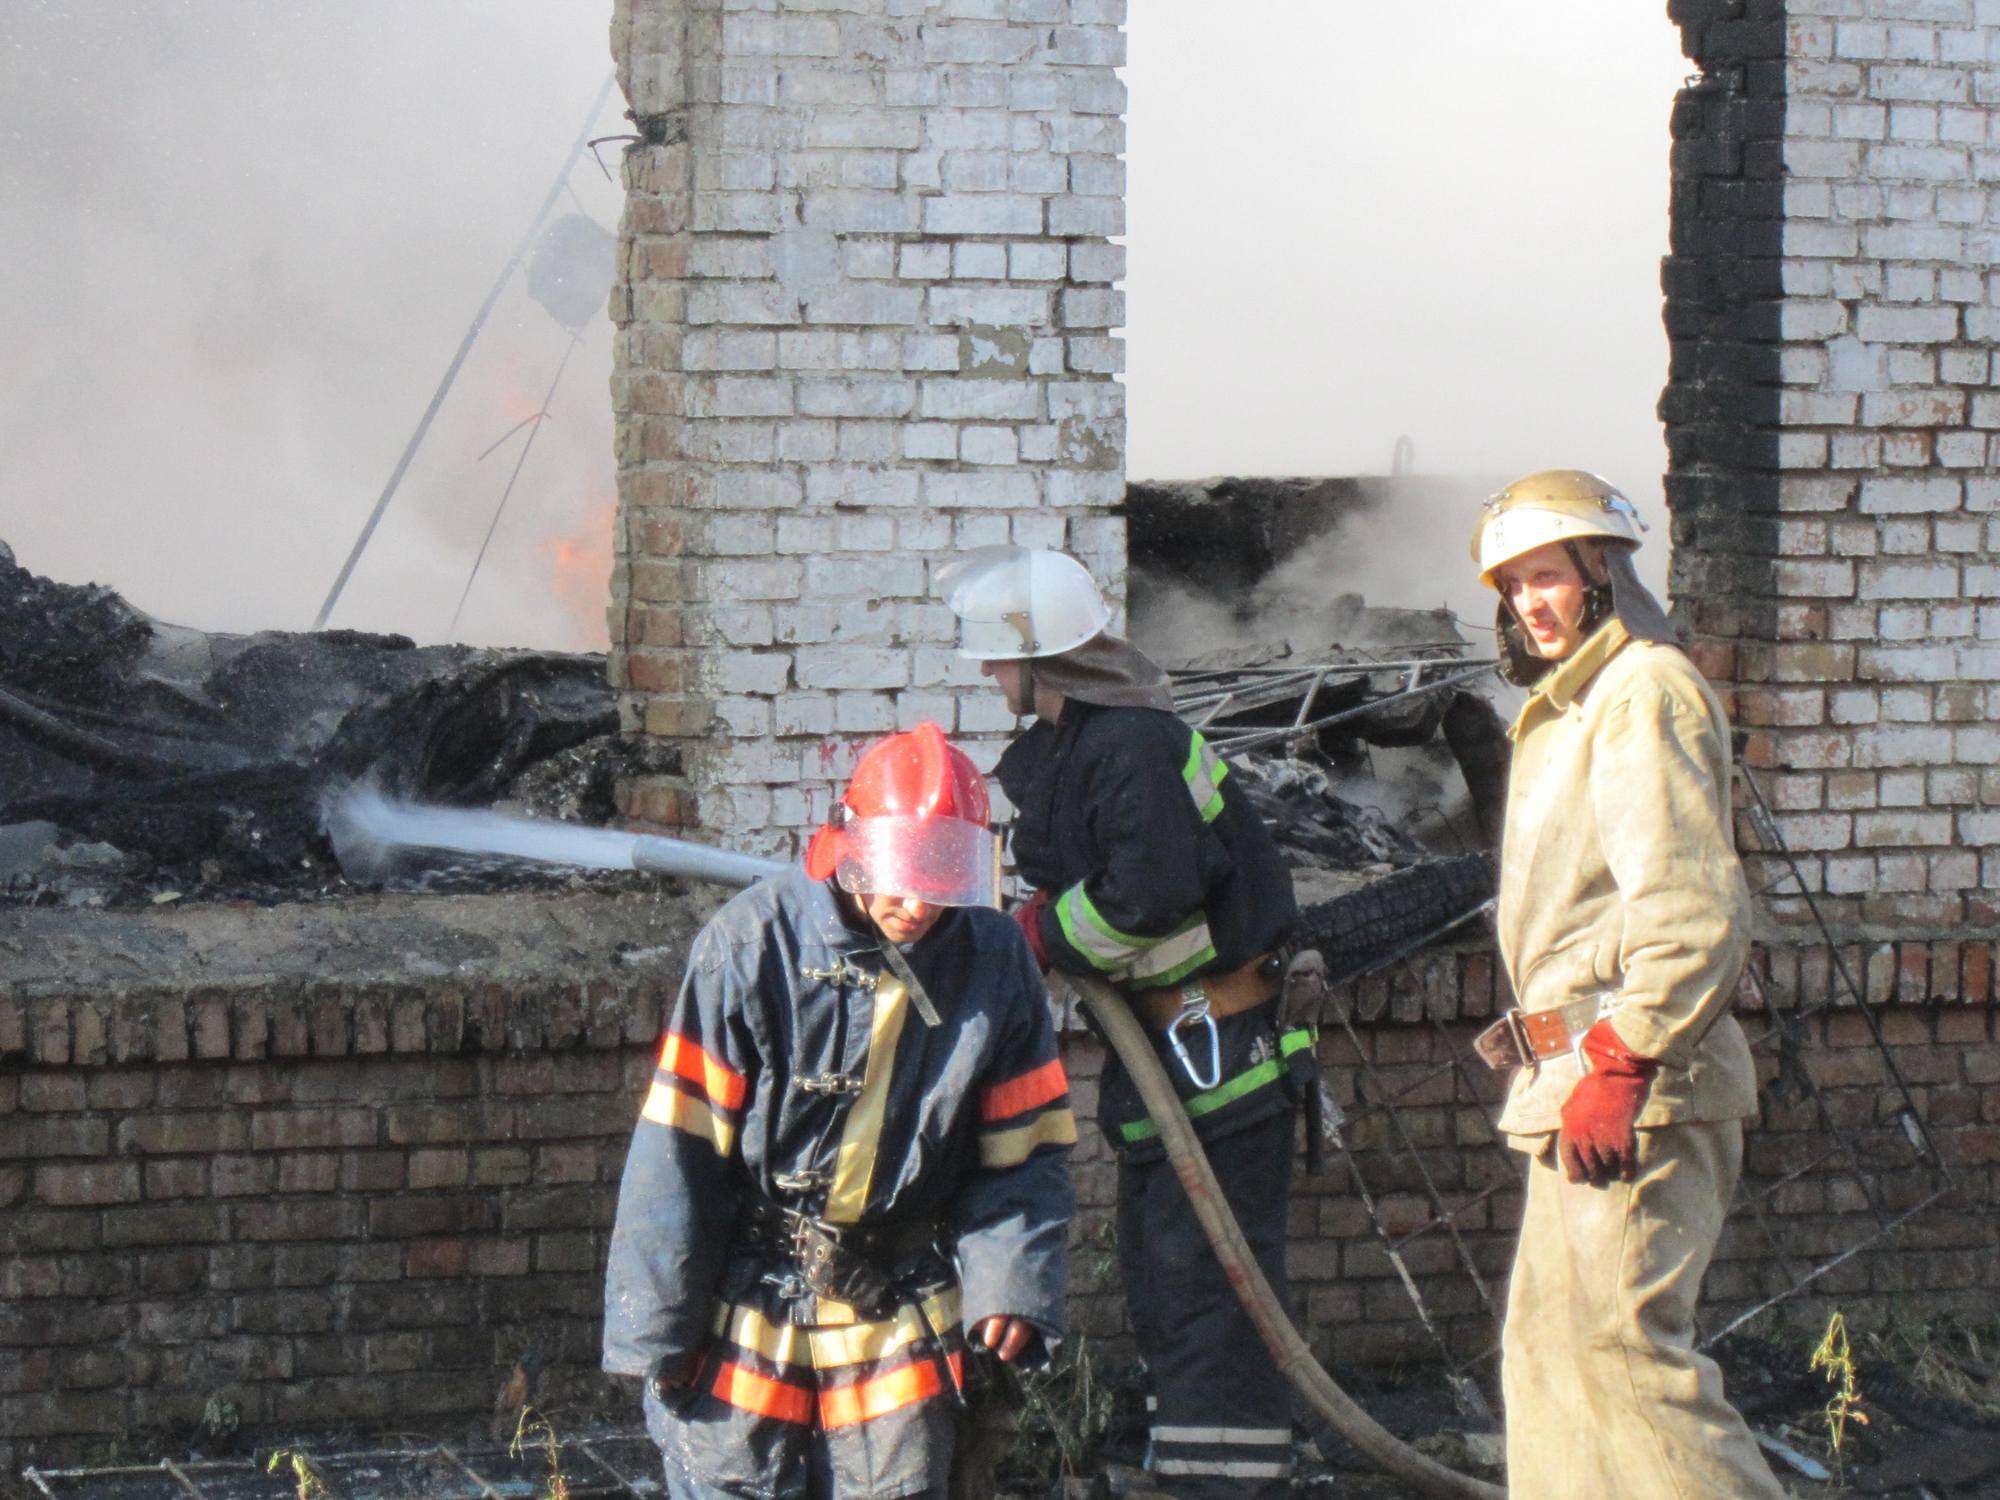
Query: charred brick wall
(1409, 1023)
(353, 1205)
(1831, 416)
(863, 321)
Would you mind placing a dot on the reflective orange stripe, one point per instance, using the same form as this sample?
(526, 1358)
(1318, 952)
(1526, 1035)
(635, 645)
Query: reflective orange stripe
(749, 1391)
(722, 1084)
(1018, 1095)
(865, 1400)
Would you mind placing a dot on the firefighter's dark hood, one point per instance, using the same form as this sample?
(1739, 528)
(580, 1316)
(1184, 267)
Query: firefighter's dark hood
(1107, 672)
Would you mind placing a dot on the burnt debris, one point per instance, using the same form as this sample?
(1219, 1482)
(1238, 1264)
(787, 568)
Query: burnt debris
(1370, 728)
(140, 760)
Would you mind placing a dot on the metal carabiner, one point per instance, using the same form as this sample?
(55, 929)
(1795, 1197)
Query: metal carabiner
(1194, 1010)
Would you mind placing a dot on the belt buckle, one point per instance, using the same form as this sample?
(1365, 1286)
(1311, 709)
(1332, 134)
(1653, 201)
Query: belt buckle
(1194, 1011)
(1504, 1044)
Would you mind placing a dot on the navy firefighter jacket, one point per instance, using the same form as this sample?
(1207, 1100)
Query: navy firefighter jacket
(1158, 871)
(796, 1069)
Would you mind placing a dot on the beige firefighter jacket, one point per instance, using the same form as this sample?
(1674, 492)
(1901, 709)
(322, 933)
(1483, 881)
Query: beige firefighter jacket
(1619, 878)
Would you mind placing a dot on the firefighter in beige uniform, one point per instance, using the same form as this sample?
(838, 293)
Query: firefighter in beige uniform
(1623, 922)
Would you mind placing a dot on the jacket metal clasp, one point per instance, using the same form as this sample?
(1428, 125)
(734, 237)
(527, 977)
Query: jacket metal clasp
(844, 975)
(1194, 1012)
(827, 1083)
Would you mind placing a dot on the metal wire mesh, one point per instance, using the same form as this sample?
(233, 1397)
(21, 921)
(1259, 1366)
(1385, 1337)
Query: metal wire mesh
(600, 1464)
(1891, 1168)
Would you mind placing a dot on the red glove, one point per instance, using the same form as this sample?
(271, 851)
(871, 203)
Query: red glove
(1029, 915)
(1598, 1141)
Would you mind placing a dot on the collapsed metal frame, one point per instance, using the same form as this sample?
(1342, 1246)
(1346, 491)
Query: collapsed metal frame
(1845, 1151)
(1203, 695)
(619, 1464)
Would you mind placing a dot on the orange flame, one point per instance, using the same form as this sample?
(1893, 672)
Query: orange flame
(581, 562)
(517, 393)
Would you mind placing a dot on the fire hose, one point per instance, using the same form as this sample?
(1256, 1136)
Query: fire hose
(1294, 1359)
(366, 826)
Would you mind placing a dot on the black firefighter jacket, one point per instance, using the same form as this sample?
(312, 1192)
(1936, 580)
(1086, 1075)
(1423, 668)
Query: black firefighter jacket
(791, 1069)
(1158, 870)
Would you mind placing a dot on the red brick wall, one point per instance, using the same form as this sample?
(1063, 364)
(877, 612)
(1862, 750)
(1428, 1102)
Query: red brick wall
(1938, 1021)
(355, 1208)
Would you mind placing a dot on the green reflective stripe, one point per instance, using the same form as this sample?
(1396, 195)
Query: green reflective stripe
(1086, 931)
(1230, 1090)
(1175, 956)
(1203, 773)
(1144, 961)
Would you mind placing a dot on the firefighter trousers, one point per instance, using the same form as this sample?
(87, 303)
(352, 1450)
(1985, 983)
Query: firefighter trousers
(1605, 1392)
(1221, 1411)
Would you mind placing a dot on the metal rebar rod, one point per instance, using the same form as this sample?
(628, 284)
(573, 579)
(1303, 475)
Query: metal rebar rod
(457, 360)
(1280, 677)
(507, 492)
(1409, 1148)
(1252, 740)
(1820, 1270)
(1769, 821)
(1439, 1221)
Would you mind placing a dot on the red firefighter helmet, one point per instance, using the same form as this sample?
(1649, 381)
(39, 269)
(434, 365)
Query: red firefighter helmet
(912, 822)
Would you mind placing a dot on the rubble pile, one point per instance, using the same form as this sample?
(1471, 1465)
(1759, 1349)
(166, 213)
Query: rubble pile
(1367, 735)
(146, 762)
(141, 761)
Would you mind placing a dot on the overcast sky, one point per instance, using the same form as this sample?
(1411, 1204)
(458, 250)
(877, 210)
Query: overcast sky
(244, 237)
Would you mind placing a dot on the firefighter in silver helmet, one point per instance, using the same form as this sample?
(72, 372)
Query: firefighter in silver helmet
(1624, 925)
(1152, 871)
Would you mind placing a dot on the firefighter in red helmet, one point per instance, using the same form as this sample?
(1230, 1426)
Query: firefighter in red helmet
(850, 1177)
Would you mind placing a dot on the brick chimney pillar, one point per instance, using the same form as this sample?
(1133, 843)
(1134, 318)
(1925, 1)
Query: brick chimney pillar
(864, 307)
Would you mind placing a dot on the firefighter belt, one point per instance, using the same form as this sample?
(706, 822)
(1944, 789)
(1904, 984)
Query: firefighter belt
(840, 1262)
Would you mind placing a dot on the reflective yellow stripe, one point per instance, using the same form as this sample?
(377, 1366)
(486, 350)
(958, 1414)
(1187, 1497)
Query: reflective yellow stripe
(1203, 773)
(1174, 956)
(834, 1348)
(667, 1105)
(747, 1328)
(1096, 939)
(1144, 961)
(860, 1140)
(1248, 1081)
(1009, 1148)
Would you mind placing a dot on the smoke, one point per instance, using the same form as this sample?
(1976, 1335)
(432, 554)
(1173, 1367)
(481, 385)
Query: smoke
(1439, 221)
(244, 239)
(245, 236)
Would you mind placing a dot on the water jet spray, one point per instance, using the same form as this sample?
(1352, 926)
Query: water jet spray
(369, 828)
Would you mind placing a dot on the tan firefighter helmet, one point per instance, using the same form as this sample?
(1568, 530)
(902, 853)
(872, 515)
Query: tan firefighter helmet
(1552, 505)
(1568, 506)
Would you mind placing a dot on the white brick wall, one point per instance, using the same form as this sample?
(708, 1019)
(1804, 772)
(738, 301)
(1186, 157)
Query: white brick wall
(867, 294)
(1861, 654)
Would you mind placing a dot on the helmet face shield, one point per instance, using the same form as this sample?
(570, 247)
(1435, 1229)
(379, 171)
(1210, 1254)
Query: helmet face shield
(945, 861)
